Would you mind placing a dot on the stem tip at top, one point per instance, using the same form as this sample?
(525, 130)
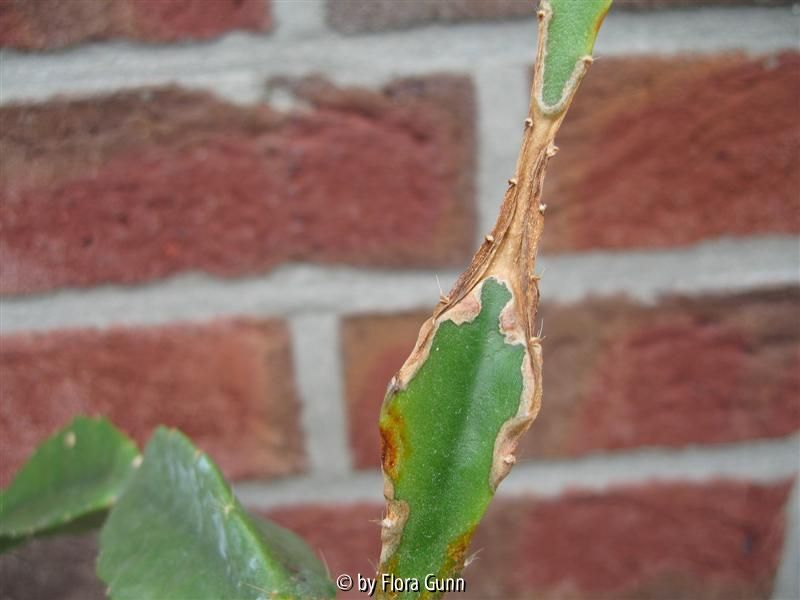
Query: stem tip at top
(569, 32)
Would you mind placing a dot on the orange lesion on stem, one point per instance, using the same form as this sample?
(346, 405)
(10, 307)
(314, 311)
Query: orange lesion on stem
(507, 254)
(455, 554)
(393, 440)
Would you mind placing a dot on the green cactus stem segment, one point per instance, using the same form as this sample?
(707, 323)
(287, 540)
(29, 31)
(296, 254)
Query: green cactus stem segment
(178, 532)
(455, 411)
(69, 482)
(569, 36)
(442, 465)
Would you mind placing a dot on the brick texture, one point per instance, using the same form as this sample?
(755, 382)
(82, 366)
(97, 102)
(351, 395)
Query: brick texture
(719, 540)
(662, 4)
(347, 537)
(617, 374)
(660, 152)
(140, 185)
(51, 24)
(358, 16)
(706, 370)
(374, 347)
(354, 16)
(227, 385)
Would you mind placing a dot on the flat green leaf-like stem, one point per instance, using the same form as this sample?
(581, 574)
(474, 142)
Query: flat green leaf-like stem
(456, 410)
(441, 430)
(571, 31)
(68, 483)
(178, 532)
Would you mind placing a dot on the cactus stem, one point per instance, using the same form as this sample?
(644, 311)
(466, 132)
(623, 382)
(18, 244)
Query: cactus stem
(555, 106)
(500, 284)
(259, 589)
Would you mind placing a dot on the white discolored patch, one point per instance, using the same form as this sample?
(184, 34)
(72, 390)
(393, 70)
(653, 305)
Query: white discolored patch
(505, 445)
(392, 527)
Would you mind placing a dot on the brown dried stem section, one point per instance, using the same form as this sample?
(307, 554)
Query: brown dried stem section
(509, 252)
(509, 256)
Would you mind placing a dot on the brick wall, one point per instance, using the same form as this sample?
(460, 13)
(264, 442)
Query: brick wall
(230, 217)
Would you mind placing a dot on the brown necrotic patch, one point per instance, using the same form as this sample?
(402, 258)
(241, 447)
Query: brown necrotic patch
(456, 554)
(393, 440)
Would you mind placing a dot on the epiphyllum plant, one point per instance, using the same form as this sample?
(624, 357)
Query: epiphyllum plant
(455, 411)
(450, 423)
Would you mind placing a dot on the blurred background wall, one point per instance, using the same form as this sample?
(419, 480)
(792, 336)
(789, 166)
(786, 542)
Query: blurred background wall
(230, 216)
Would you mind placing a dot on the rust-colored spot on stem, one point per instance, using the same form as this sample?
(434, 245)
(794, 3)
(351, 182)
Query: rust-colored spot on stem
(456, 554)
(393, 440)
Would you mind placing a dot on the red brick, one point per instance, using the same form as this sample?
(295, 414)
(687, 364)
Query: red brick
(49, 24)
(347, 538)
(661, 4)
(678, 541)
(141, 185)
(617, 374)
(374, 347)
(661, 152)
(228, 385)
(356, 16)
(718, 540)
(704, 370)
